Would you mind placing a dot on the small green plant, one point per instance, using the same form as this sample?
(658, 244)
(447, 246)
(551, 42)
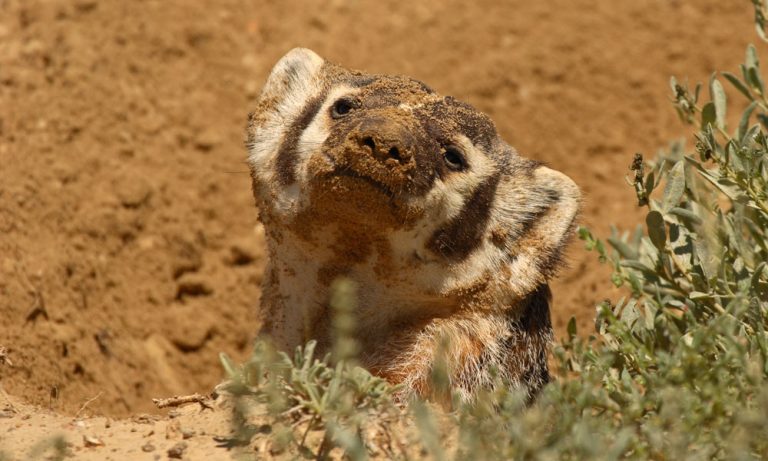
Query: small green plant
(311, 405)
(677, 369)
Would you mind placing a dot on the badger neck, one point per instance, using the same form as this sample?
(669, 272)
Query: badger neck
(304, 265)
(400, 320)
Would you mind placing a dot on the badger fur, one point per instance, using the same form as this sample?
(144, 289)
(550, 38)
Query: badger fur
(446, 231)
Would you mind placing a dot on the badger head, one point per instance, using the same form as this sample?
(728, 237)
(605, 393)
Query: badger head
(448, 207)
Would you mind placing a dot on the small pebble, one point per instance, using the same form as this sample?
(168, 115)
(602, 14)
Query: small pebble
(133, 192)
(207, 139)
(177, 451)
(187, 433)
(91, 441)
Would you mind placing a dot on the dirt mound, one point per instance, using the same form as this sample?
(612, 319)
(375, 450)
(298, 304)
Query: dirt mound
(130, 254)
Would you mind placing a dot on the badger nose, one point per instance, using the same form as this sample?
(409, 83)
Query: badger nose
(388, 142)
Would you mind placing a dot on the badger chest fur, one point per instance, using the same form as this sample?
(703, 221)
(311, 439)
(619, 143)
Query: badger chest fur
(449, 235)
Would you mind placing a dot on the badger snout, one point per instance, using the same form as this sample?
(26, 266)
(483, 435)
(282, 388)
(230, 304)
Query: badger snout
(387, 141)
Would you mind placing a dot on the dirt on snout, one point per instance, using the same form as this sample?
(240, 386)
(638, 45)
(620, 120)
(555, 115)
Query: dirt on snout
(130, 252)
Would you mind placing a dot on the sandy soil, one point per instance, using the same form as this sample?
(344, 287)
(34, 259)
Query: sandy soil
(190, 431)
(130, 254)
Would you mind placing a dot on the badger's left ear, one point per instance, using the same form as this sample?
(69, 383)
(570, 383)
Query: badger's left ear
(539, 215)
(293, 83)
(556, 225)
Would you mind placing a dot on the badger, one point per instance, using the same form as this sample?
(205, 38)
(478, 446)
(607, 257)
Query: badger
(449, 235)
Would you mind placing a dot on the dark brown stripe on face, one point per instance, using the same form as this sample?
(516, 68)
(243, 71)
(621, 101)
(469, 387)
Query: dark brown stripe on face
(286, 154)
(464, 233)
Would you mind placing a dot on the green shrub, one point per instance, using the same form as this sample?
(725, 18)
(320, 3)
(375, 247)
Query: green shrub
(676, 370)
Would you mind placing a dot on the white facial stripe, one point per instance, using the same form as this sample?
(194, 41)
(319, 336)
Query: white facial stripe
(318, 130)
(480, 166)
(293, 82)
(266, 142)
(443, 202)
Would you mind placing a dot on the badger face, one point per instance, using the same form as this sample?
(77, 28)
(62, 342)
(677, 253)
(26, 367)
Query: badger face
(342, 153)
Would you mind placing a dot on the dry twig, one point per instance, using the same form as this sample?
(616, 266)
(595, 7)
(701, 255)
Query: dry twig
(85, 405)
(179, 400)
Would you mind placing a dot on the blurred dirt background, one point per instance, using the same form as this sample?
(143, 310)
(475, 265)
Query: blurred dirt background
(130, 254)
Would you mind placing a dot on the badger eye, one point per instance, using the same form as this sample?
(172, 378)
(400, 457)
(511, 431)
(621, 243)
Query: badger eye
(342, 107)
(454, 159)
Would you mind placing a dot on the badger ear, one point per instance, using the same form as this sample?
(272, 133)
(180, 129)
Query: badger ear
(540, 219)
(556, 226)
(294, 81)
(294, 74)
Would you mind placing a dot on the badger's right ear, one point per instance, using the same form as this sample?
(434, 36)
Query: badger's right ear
(294, 76)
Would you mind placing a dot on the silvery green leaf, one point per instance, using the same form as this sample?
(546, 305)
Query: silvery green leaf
(648, 252)
(675, 187)
(744, 122)
(738, 84)
(649, 316)
(719, 100)
(751, 59)
(685, 214)
(656, 230)
(708, 259)
(637, 265)
(630, 314)
(624, 250)
(673, 302)
(229, 367)
(753, 77)
(637, 236)
(708, 114)
(743, 69)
